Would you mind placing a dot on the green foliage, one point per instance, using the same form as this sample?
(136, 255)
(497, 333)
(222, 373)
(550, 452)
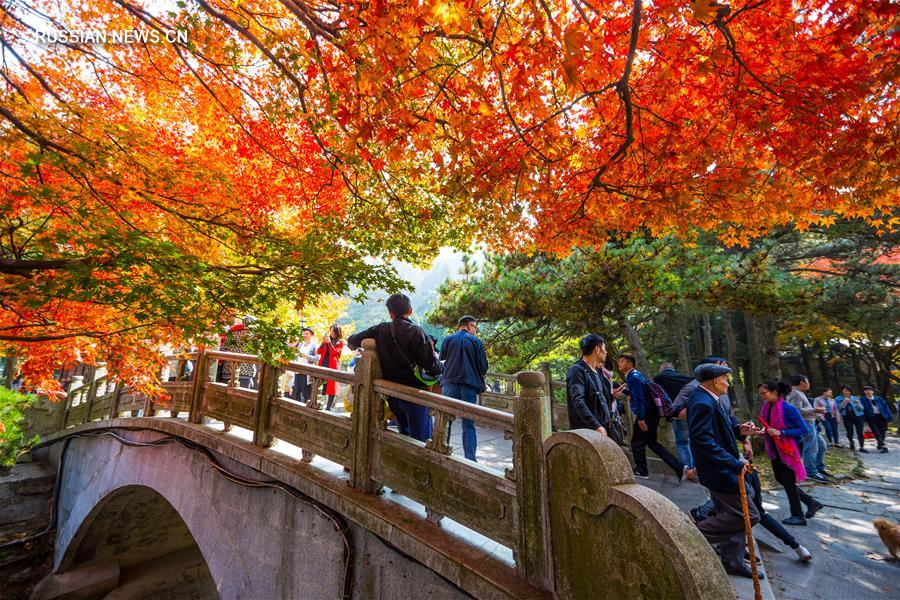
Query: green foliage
(834, 286)
(13, 442)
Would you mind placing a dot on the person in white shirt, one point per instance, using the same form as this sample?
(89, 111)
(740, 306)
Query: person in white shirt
(306, 354)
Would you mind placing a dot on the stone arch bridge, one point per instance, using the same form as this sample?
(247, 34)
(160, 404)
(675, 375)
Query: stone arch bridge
(200, 504)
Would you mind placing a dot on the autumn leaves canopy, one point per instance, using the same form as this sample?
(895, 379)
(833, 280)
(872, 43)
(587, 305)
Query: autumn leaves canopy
(150, 189)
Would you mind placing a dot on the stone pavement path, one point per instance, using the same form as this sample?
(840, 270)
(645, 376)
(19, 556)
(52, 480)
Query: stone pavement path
(848, 556)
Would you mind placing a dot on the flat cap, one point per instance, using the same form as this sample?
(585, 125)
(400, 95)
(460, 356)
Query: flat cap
(707, 372)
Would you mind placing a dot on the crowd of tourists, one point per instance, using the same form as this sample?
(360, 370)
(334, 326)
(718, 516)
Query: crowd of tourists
(714, 448)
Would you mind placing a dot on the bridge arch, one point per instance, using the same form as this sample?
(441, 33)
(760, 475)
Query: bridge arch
(167, 505)
(138, 530)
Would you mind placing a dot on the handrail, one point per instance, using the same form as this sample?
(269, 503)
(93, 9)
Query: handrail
(183, 356)
(234, 357)
(319, 371)
(481, 414)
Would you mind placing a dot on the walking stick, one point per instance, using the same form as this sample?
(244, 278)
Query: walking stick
(748, 530)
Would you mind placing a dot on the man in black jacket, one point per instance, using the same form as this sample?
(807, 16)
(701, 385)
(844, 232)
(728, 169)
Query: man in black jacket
(402, 346)
(587, 390)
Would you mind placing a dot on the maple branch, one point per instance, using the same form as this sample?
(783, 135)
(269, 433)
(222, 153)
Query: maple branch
(25, 268)
(39, 139)
(624, 90)
(731, 44)
(244, 31)
(31, 70)
(73, 334)
(750, 6)
(316, 26)
(12, 83)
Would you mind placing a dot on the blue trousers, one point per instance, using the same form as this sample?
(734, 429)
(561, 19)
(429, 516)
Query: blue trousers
(813, 451)
(466, 393)
(683, 442)
(831, 429)
(412, 419)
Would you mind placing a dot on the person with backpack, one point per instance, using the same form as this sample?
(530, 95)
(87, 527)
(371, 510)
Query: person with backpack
(648, 400)
(404, 350)
(671, 381)
(587, 389)
(465, 365)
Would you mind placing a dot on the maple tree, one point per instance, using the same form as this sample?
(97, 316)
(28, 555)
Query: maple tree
(149, 189)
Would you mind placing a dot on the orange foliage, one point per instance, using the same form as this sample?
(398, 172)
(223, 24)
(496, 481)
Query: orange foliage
(395, 127)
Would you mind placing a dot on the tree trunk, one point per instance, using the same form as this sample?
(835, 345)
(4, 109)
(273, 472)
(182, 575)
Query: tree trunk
(740, 394)
(804, 359)
(696, 335)
(680, 337)
(634, 341)
(762, 339)
(857, 370)
(835, 372)
(9, 370)
(707, 335)
(823, 368)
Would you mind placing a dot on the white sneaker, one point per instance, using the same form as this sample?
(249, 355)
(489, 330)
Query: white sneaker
(803, 554)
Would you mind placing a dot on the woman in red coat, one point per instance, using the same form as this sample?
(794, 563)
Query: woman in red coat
(329, 356)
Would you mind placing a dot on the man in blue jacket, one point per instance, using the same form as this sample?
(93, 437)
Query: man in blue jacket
(878, 414)
(718, 461)
(646, 422)
(465, 364)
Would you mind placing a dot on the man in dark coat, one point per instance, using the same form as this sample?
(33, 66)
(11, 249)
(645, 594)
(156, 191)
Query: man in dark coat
(465, 364)
(402, 346)
(714, 433)
(587, 390)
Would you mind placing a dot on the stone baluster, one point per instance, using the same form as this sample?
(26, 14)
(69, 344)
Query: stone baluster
(268, 383)
(368, 417)
(544, 368)
(91, 393)
(117, 397)
(201, 376)
(532, 427)
(70, 398)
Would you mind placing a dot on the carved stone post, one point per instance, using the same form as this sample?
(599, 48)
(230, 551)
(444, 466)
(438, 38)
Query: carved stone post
(597, 515)
(117, 397)
(368, 417)
(200, 378)
(268, 383)
(532, 427)
(544, 368)
(91, 393)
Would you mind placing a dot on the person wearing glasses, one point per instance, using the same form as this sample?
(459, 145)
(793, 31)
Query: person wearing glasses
(465, 365)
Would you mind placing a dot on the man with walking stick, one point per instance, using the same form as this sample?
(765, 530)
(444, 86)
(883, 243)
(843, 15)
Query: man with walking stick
(720, 466)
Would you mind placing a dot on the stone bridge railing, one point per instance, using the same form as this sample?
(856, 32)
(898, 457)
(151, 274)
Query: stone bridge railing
(564, 492)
